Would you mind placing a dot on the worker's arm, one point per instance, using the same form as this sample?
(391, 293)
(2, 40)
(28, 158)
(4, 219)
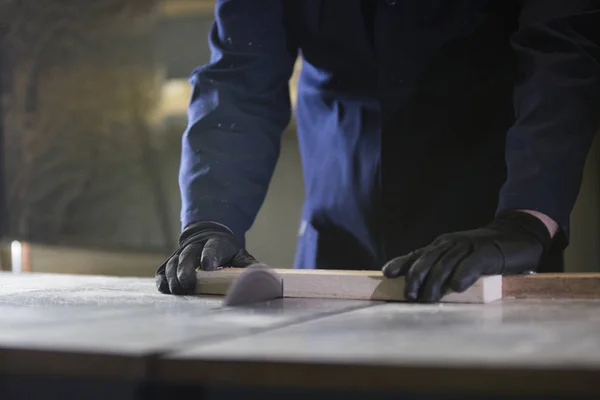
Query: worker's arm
(239, 108)
(557, 105)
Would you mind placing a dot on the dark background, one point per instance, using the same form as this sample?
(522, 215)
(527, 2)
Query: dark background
(87, 162)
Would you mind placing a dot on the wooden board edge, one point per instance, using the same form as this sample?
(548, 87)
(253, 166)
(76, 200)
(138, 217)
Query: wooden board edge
(354, 285)
(552, 286)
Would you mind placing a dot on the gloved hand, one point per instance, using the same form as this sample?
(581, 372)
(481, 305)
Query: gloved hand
(513, 243)
(204, 245)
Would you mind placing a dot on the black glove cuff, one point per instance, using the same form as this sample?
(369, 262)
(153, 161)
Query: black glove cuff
(530, 223)
(196, 228)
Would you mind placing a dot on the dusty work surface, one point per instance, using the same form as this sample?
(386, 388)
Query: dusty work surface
(122, 328)
(513, 346)
(111, 327)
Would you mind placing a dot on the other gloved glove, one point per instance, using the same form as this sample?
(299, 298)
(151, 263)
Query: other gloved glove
(204, 245)
(513, 243)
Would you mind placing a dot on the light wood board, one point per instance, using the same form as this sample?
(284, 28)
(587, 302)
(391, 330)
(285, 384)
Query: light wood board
(339, 284)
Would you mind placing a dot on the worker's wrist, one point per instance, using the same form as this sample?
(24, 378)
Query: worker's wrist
(196, 227)
(550, 224)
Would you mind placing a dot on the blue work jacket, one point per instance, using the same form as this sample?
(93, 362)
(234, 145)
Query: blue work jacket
(415, 118)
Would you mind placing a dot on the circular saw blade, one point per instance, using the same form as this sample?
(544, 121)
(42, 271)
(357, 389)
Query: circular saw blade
(257, 283)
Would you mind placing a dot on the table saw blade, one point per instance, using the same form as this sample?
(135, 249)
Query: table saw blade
(257, 283)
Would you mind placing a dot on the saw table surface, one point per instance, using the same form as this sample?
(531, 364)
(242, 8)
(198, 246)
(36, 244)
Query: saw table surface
(122, 329)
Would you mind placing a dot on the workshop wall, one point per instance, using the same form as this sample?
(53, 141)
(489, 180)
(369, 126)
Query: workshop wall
(583, 253)
(91, 159)
(80, 81)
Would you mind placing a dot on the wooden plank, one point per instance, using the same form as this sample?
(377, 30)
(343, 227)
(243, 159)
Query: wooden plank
(553, 286)
(339, 284)
(371, 285)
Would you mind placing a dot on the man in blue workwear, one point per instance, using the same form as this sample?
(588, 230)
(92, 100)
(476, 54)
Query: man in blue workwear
(440, 140)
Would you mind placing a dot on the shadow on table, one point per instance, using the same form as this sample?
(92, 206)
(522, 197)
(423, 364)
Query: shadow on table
(45, 388)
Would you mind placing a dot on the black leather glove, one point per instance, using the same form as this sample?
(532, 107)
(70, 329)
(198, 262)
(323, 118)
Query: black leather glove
(204, 245)
(513, 243)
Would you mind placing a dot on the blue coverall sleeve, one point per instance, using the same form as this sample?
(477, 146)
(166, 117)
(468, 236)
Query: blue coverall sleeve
(557, 105)
(239, 108)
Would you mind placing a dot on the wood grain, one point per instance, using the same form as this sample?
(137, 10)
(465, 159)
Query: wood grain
(339, 284)
(553, 286)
